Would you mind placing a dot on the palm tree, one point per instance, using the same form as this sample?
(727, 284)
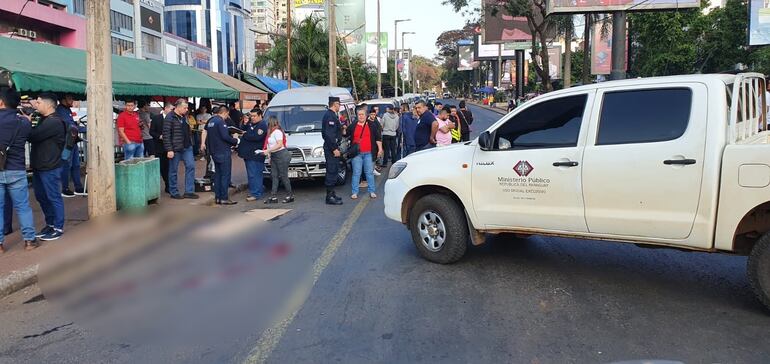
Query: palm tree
(309, 52)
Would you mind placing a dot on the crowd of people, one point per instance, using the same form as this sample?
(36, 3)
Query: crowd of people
(376, 141)
(178, 135)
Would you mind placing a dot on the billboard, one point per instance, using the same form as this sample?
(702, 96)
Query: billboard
(465, 55)
(601, 50)
(315, 4)
(606, 6)
(371, 50)
(759, 22)
(489, 52)
(500, 27)
(404, 64)
(150, 19)
(554, 62)
(351, 21)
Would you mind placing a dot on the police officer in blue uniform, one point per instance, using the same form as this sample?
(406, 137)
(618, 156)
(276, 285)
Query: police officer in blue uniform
(220, 143)
(332, 134)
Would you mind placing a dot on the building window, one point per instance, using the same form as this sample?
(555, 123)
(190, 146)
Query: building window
(151, 44)
(129, 1)
(182, 23)
(120, 21)
(122, 46)
(79, 7)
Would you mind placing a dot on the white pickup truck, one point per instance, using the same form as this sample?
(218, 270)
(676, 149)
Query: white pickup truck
(681, 162)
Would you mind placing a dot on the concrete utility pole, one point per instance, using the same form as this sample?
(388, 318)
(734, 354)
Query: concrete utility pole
(332, 20)
(101, 144)
(288, 44)
(379, 75)
(618, 46)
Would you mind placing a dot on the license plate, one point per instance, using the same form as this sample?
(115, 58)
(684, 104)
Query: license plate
(293, 174)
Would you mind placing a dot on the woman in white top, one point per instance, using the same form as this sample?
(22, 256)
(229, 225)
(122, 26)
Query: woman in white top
(275, 150)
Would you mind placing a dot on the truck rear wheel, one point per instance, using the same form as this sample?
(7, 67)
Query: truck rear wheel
(759, 269)
(439, 229)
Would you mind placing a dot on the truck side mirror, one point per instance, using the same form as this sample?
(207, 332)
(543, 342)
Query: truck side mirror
(485, 141)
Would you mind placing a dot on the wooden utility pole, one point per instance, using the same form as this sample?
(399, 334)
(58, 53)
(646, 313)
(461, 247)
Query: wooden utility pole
(332, 20)
(587, 49)
(101, 143)
(618, 45)
(288, 44)
(379, 75)
(568, 55)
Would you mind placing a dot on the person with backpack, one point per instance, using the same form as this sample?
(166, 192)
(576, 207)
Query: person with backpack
(280, 157)
(70, 168)
(14, 132)
(48, 139)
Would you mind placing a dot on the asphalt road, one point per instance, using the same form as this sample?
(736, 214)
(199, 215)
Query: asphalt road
(346, 285)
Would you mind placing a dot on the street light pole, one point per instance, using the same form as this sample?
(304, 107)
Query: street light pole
(379, 60)
(101, 162)
(403, 45)
(397, 57)
(288, 44)
(332, 44)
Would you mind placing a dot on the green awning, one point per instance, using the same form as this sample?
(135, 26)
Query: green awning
(38, 67)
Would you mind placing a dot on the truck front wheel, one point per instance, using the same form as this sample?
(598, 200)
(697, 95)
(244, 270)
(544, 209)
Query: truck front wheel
(759, 269)
(439, 229)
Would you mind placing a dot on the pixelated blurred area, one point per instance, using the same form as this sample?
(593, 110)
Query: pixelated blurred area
(176, 279)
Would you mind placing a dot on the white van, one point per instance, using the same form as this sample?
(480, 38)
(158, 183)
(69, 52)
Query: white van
(300, 111)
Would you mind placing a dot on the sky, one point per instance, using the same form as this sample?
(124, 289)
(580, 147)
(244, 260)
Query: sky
(429, 19)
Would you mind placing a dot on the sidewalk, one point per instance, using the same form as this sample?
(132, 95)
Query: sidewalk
(490, 108)
(19, 268)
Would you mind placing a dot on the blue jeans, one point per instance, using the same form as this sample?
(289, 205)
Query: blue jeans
(363, 160)
(14, 184)
(254, 170)
(223, 166)
(186, 157)
(72, 168)
(47, 185)
(133, 150)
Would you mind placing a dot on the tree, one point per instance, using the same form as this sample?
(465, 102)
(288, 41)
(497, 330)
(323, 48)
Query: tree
(427, 72)
(447, 41)
(540, 27)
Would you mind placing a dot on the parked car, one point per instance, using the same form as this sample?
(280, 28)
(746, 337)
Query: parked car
(300, 111)
(597, 162)
(381, 103)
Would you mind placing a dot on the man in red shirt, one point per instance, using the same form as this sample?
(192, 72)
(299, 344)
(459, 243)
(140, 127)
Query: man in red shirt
(130, 132)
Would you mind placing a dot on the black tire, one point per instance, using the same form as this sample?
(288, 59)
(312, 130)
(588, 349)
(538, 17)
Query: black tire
(343, 174)
(759, 269)
(456, 235)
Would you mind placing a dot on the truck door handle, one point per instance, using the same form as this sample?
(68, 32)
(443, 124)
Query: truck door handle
(565, 164)
(682, 162)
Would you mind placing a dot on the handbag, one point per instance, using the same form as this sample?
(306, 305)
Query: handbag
(354, 149)
(6, 148)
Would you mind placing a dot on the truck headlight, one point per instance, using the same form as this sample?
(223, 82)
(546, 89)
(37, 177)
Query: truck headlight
(317, 152)
(396, 169)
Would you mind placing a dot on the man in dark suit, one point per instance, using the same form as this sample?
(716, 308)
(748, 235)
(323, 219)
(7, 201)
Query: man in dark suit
(156, 131)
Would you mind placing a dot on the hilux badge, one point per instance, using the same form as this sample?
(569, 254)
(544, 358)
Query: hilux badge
(523, 168)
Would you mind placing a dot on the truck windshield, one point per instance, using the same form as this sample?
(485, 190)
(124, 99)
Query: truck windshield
(299, 118)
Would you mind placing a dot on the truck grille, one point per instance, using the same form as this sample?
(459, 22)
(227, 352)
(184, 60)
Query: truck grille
(297, 153)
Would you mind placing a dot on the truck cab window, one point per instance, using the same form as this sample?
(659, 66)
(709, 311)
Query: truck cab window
(550, 124)
(644, 116)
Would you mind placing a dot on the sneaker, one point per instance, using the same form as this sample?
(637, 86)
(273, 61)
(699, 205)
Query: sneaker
(67, 193)
(55, 234)
(177, 197)
(30, 245)
(372, 195)
(191, 196)
(45, 231)
(377, 173)
(251, 199)
(81, 193)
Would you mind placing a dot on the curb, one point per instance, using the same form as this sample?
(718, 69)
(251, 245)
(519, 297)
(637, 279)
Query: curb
(20, 279)
(493, 109)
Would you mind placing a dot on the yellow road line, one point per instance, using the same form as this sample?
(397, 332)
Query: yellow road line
(272, 335)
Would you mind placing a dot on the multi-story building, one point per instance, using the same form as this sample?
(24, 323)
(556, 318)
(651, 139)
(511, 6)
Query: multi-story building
(215, 24)
(263, 16)
(47, 21)
(281, 14)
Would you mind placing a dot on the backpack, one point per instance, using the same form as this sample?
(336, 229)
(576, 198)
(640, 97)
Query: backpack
(71, 138)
